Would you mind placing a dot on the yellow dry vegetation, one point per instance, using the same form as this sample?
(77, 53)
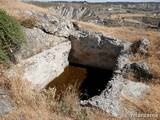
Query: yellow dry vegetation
(13, 6)
(131, 15)
(124, 33)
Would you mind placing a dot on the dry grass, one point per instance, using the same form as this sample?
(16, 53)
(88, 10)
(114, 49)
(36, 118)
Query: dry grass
(32, 105)
(124, 33)
(27, 21)
(128, 15)
(13, 6)
(28, 103)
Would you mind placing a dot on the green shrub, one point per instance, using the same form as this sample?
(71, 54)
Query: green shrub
(11, 37)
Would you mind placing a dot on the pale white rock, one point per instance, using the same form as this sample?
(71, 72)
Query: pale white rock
(42, 68)
(37, 41)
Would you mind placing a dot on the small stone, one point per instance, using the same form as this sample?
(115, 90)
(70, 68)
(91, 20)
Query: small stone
(5, 106)
(144, 42)
(141, 68)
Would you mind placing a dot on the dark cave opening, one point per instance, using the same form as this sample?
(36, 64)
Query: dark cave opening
(89, 81)
(95, 81)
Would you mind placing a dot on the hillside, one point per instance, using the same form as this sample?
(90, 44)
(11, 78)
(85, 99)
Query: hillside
(71, 68)
(108, 14)
(12, 7)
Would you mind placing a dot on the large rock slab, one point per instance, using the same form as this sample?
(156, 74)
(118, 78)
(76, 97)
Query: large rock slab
(42, 68)
(95, 49)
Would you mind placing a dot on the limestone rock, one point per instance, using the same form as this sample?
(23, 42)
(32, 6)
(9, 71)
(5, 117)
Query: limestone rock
(5, 106)
(144, 42)
(45, 54)
(37, 41)
(143, 46)
(111, 99)
(54, 25)
(135, 90)
(42, 68)
(74, 12)
(141, 68)
(95, 49)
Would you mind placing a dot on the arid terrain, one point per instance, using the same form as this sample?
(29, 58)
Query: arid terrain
(81, 61)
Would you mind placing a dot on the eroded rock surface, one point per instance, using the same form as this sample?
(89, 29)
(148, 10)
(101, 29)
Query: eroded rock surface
(74, 12)
(42, 68)
(95, 49)
(45, 54)
(111, 99)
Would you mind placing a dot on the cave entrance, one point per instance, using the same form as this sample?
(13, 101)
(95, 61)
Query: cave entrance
(95, 82)
(89, 81)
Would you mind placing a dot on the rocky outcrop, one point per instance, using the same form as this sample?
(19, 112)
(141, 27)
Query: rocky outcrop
(111, 99)
(45, 54)
(42, 68)
(95, 49)
(53, 39)
(98, 50)
(74, 12)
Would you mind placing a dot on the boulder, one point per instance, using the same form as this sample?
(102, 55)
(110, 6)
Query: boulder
(141, 46)
(144, 44)
(141, 69)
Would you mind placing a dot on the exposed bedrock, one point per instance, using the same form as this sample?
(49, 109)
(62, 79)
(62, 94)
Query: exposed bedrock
(45, 53)
(95, 49)
(102, 51)
(74, 12)
(54, 39)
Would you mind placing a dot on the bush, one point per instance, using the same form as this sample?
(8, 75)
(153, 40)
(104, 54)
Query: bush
(11, 37)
